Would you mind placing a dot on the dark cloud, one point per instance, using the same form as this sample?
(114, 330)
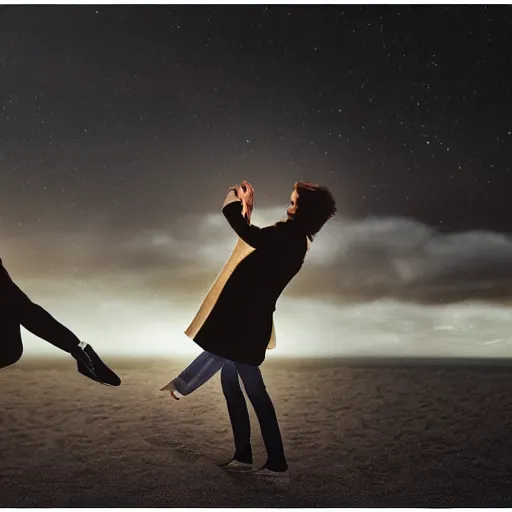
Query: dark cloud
(350, 260)
(407, 260)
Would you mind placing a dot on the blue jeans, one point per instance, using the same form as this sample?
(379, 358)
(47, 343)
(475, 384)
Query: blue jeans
(203, 368)
(198, 372)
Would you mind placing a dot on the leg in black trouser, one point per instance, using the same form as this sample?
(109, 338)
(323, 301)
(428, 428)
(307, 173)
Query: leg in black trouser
(239, 415)
(20, 310)
(238, 412)
(11, 347)
(17, 309)
(39, 322)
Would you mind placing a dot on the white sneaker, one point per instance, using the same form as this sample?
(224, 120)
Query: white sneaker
(235, 465)
(267, 473)
(172, 390)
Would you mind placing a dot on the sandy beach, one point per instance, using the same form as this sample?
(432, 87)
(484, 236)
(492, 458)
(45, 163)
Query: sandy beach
(357, 434)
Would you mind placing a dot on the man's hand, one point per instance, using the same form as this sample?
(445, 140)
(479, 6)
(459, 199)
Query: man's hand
(246, 194)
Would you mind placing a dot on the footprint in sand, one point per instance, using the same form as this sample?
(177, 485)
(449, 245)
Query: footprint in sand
(169, 443)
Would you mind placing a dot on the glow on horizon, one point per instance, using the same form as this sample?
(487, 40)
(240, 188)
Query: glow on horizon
(133, 300)
(130, 294)
(305, 328)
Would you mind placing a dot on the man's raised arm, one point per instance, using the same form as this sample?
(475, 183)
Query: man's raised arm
(252, 235)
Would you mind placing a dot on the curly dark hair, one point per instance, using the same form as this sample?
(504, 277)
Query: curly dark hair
(315, 206)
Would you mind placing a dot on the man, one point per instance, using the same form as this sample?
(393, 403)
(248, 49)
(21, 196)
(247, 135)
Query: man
(205, 366)
(17, 309)
(236, 332)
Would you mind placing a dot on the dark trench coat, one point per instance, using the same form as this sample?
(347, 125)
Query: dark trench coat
(239, 324)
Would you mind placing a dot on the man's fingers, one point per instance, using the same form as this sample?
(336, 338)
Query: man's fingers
(235, 189)
(244, 191)
(248, 185)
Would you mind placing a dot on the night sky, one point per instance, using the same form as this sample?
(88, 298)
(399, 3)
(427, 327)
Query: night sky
(121, 128)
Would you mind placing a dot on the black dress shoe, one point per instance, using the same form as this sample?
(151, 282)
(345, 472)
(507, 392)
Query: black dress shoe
(90, 365)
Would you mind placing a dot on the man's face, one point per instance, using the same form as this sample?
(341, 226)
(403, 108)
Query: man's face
(292, 209)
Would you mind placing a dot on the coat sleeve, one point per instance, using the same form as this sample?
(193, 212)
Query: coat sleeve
(254, 236)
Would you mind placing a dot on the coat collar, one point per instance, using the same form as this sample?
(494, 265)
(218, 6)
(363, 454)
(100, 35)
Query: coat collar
(292, 224)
